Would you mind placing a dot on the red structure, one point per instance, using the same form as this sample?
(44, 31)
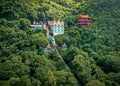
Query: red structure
(84, 20)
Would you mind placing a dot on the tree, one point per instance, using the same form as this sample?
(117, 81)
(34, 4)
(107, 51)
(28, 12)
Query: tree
(65, 78)
(95, 83)
(9, 69)
(39, 39)
(24, 23)
(109, 63)
(117, 78)
(35, 82)
(39, 69)
(50, 79)
(24, 81)
(73, 51)
(81, 64)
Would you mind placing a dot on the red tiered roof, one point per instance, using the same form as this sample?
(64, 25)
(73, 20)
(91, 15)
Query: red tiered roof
(84, 20)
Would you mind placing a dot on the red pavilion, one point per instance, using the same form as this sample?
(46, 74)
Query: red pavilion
(84, 20)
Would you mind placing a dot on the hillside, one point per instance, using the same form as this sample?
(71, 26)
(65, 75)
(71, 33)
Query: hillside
(93, 51)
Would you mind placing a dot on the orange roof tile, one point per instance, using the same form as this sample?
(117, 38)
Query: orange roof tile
(84, 16)
(48, 47)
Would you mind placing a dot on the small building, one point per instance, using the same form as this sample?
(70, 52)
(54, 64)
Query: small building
(36, 25)
(47, 49)
(64, 47)
(56, 27)
(84, 20)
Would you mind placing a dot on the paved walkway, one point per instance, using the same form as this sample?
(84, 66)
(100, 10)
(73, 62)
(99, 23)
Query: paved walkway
(59, 55)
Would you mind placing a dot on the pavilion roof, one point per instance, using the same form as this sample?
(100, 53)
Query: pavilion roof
(48, 47)
(84, 16)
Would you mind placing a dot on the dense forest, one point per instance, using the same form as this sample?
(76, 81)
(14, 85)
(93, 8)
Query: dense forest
(93, 51)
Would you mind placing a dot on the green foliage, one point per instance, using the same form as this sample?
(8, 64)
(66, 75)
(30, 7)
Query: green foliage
(81, 64)
(93, 50)
(95, 83)
(73, 51)
(14, 70)
(65, 78)
(117, 77)
(39, 39)
(24, 23)
(109, 63)
(12, 10)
